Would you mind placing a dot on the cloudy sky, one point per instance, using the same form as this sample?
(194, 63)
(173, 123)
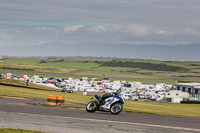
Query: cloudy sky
(137, 22)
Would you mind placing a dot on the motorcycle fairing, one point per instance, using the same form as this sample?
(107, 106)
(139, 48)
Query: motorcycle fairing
(109, 101)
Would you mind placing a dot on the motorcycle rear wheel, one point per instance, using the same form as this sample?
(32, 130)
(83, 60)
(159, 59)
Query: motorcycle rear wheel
(116, 110)
(90, 107)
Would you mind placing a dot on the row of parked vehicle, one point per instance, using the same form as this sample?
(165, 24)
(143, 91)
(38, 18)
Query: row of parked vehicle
(129, 90)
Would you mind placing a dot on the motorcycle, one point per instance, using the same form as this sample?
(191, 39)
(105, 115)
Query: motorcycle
(112, 103)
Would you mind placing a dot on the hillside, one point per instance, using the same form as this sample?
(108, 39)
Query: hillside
(155, 52)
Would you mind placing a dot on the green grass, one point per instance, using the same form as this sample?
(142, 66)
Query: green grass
(77, 65)
(120, 69)
(189, 110)
(41, 93)
(22, 61)
(117, 74)
(9, 130)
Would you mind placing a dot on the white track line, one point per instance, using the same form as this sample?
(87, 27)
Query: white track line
(130, 123)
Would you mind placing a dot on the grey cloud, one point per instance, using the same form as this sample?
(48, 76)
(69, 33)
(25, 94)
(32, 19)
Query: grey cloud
(140, 21)
(121, 11)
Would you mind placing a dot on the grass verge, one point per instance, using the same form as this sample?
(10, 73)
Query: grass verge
(42, 93)
(189, 110)
(63, 106)
(9, 130)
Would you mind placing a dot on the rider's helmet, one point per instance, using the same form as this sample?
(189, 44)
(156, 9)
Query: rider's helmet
(97, 96)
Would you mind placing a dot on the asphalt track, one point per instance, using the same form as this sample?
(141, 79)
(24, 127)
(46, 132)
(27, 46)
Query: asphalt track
(14, 113)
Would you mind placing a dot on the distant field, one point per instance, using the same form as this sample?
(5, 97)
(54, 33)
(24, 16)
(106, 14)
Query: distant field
(137, 69)
(76, 65)
(22, 61)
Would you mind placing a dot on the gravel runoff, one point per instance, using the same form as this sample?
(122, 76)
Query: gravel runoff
(58, 124)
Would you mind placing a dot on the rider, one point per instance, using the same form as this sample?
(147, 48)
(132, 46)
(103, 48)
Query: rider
(102, 99)
(107, 95)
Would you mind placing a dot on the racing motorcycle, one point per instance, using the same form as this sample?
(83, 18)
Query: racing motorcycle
(110, 103)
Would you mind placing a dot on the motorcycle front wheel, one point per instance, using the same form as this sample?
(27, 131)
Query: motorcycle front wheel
(90, 107)
(116, 109)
